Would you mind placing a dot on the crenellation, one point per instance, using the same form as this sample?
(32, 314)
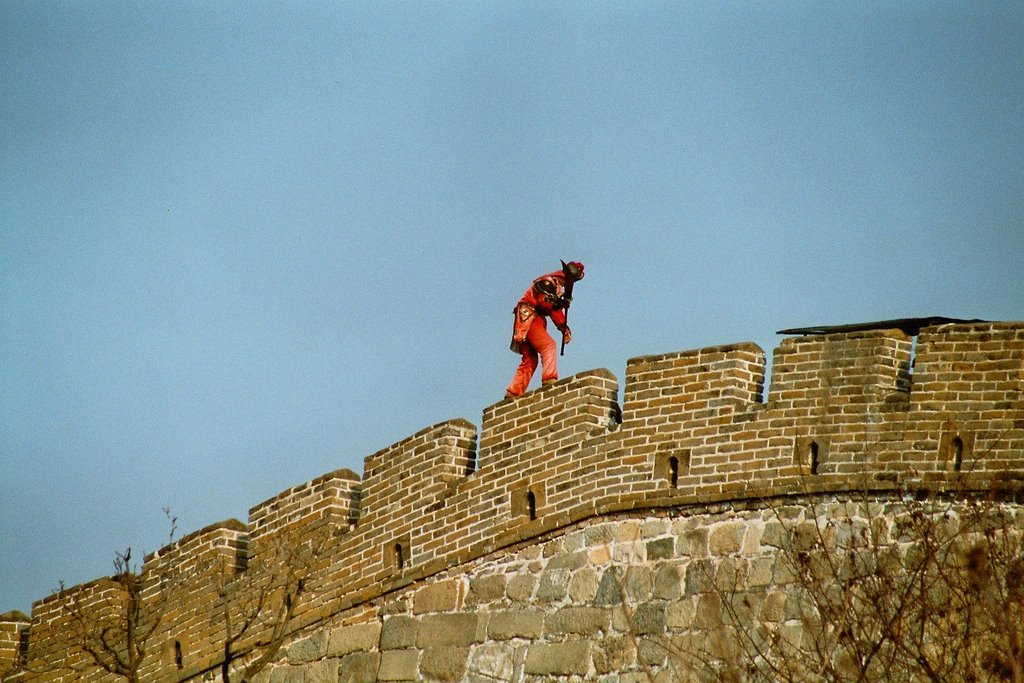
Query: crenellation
(564, 411)
(692, 386)
(416, 473)
(60, 620)
(14, 628)
(223, 545)
(821, 374)
(843, 410)
(185, 582)
(963, 369)
(332, 498)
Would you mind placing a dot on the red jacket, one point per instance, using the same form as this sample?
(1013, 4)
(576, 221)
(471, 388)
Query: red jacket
(544, 294)
(544, 297)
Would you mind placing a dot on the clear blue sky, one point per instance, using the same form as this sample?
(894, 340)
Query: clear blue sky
(243, 244)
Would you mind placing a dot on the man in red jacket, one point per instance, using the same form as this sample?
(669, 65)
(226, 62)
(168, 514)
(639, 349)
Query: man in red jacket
(549, 295)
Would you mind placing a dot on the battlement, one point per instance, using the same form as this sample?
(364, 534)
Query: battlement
(57, 621)
(969, 370)
(863, 409)
(222, 546)
(561, 415)
(416, 474)
(331, 499)
(13, 640)
(830, 374)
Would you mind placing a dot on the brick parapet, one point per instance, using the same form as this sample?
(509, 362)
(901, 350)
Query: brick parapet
(677, 407)
(58, 622)
(13, 640)
(688, 387)
(415, 474)
(184, 582)
(839, 376)
(970, 371)
(333, 498)
(223, 546)
(564, 412)
(843, 411)
(966, 407)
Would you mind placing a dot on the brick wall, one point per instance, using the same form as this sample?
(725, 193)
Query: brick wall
(842, 411)
(13, 640)
(183, 583)
(59, 623)
(332, 498)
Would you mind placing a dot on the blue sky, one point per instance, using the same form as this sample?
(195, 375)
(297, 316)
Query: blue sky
(243, 244)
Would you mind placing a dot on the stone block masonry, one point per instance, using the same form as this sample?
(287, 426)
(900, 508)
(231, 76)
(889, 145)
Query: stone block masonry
(565, 491)
(638, 596)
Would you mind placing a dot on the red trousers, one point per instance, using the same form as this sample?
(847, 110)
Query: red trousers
(538, 343)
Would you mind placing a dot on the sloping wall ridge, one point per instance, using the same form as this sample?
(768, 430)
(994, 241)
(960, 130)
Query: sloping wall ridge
(859, 410)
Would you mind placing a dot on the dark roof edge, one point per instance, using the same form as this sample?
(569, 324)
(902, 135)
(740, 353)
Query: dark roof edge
(910, 326)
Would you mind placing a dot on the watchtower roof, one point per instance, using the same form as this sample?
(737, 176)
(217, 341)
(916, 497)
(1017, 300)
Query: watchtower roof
(910, 326)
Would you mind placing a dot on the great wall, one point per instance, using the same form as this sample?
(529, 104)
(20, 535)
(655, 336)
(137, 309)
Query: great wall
(569, 537)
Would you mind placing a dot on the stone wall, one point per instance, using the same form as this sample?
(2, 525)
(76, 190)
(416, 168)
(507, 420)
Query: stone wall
(635, 597)
(857, 411)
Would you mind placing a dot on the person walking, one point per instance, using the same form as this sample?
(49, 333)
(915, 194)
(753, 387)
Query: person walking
(549, 296)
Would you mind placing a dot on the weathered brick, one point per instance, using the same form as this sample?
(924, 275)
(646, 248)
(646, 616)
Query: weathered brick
(638, 582)
(700, 576)
(651, 653)
(399, 632)
(583, 585)
(483, 589)
(577, 620)
(609, 590)
(359, 667)
(323, 671)
(773, 607)
(515, 624)
(399, 665)
(494, 661)
(354, 638)
(437, 630)
(287, 674)
(307, 649)
(560, 659)
(437, 597)
(553, 585)
(681, 614)
(573, 560)
(613, 654)
(649, 618)
(726, 538)
(600, 555)
(445, 663)
(520, 587)
(660, 548)
(669, 581)
(709, 611)
(693, 542)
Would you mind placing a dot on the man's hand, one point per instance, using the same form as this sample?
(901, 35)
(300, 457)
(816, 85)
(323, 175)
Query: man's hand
(566, 335)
